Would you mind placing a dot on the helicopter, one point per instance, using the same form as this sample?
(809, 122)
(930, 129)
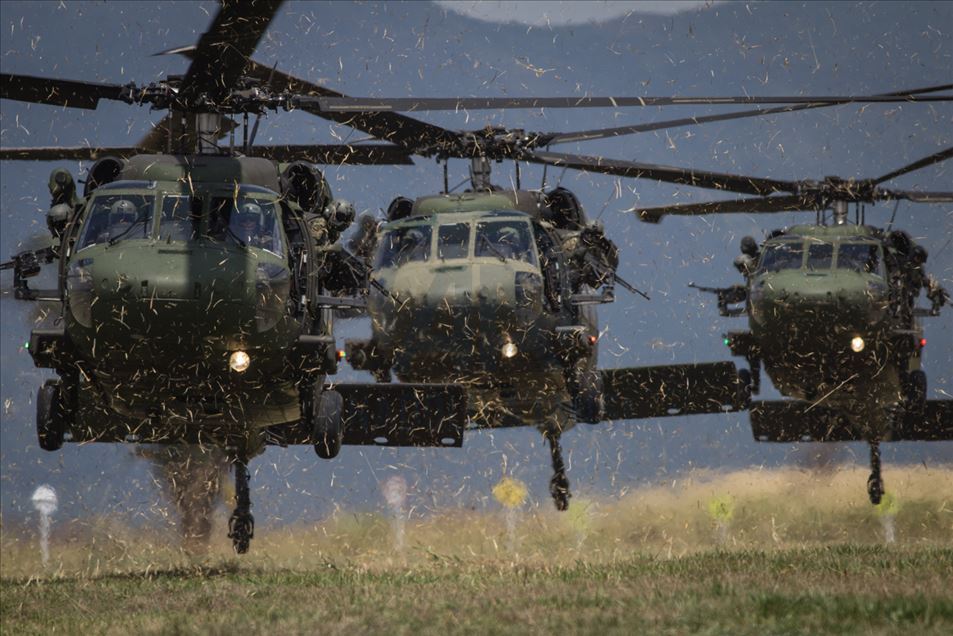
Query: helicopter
(494, 289)
(207, 332)
(833, 315)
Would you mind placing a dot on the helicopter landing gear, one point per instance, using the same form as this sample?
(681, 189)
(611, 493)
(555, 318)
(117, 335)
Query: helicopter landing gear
(587, 399)
(915, 391)
(241, 525)
(51, 415)
(559, 484)
(327, 429)
(755, 375)
(875, 484)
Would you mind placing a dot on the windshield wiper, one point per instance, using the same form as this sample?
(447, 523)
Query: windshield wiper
(115, 239)
(493, 248)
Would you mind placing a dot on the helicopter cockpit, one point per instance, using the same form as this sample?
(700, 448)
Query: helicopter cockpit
(117, 216)
(502, 240)
(820, 257)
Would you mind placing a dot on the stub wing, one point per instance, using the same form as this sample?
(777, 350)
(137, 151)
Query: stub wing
(680, 389)
(798, 421)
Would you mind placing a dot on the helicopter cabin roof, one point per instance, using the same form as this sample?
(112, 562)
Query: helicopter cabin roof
(203, 169)
(518, 200)
(830, 232)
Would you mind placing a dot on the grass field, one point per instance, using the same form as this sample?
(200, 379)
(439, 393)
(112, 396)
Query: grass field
(747, 552)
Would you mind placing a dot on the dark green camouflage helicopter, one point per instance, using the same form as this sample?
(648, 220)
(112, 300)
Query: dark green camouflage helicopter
(833, 316)
(197, 280)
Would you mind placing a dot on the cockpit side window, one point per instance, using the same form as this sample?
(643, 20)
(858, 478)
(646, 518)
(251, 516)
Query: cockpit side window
(820, 256)
(780, 256)
(453, 241)
(505, 240)
(860, 257)
(403, 245)
(115, 217)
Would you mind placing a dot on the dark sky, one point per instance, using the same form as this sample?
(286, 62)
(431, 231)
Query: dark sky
(420, 49)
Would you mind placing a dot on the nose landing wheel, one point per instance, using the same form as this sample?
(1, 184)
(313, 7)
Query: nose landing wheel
(559, 484)
(241, 525)
(327, 428)
(875, 484)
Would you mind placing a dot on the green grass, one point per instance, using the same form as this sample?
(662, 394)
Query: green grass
(756, 552)
(841, 589)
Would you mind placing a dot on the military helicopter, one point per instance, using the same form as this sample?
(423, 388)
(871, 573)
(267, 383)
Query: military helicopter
(494, 290)
(183, 320)
(833, 315)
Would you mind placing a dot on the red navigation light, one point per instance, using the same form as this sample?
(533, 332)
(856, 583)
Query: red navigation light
(923, 342)
(593, 340)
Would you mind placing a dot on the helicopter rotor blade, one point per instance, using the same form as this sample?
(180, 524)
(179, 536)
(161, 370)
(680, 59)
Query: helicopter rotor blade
(603, 133)
(57, 92)
(915, 196)
(336, 154)
(787, 203)
(67, 153)
(407, 104)
(669, 174)
(223, 51)
(943, 155)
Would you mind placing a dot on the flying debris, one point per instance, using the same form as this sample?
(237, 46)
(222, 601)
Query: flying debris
(199, 278)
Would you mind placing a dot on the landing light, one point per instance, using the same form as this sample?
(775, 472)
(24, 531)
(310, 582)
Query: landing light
(239, 361)
(509, 350)
(857, 344)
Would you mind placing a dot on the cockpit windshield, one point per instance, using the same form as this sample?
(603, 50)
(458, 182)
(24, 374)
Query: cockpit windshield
(860, 257)
(780, 256)
(251, 221)
(115, 217)
(403, 245)
(820, 257)
(505, 240)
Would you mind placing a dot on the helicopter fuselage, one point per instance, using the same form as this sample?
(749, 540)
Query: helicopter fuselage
(469, 295)
(828, 321)
(183, 301)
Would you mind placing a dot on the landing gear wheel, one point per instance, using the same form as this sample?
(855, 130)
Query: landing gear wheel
(328, 430)
(559, 489)
(559, 484)
(241, 530)
(875, 489)
(50, 416)
(875, 484)
(241, 525)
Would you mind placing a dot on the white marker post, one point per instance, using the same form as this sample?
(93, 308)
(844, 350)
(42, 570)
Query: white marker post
(44, 500)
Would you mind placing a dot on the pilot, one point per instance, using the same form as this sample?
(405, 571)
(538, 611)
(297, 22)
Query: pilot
(510, 243)
(747, 261)
(248, 223)
(122, 214)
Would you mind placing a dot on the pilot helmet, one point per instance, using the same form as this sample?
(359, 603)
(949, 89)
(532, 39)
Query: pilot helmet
(249, 213)
(122, 211)
(508, 235)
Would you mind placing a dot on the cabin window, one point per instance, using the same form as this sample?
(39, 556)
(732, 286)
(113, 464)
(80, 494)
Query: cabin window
(180, 217)
(453, 241)
(505, 240)
(859, 257)
(404, 245)
(115, 217)
(780, 256)
(253, 222)
(820, 256)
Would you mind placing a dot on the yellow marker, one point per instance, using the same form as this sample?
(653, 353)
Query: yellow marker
(888, 505)
(722, 509)
(510, 492)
